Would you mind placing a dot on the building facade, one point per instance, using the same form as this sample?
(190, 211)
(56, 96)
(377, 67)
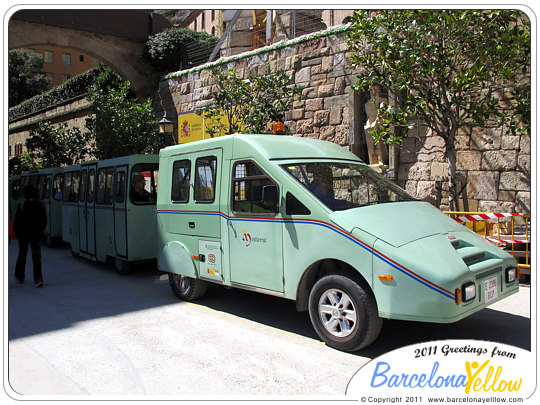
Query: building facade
(61, 64)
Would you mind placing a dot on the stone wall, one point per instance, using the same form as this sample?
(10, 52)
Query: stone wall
(74, 113)
(319, 66)
(493, 169)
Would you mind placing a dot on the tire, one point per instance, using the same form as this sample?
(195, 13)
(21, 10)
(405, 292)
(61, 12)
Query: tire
(123, 267)
(187, 288)
(74, 254)
(344, 313)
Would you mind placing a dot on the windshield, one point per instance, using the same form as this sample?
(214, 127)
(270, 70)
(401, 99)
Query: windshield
(341, 186)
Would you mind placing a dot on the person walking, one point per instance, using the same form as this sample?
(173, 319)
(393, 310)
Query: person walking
(29, 226)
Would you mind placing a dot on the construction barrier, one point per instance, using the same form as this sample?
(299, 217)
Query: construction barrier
(510, 231)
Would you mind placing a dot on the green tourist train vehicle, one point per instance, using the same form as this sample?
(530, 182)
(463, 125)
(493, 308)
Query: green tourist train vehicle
(292, 217)
(109, 210)
(105, 210)
(306, 220)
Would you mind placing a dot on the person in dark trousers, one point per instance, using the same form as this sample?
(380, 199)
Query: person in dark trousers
(29, 226)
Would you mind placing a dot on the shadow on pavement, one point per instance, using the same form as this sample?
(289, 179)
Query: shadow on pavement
(78, 290)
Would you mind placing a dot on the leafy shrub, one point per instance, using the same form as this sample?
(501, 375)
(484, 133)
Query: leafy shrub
(178, 48)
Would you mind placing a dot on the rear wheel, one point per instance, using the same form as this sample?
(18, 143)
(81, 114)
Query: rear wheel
(187, 288)
(343, 313)
(123, 267)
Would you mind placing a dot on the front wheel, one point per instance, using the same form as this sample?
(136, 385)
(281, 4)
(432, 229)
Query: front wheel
(187, 288)
(343, 313)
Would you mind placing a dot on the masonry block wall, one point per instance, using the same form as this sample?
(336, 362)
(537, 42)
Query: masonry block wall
(74, 113)
(494, 170)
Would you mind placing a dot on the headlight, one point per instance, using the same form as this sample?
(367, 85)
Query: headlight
(468, 291)
(510, 275)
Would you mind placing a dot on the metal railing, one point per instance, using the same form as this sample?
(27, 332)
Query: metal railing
(509, 231)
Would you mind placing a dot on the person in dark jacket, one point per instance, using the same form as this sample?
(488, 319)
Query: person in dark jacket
(29, 226)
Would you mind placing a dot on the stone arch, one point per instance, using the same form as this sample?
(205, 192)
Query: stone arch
(121, 54)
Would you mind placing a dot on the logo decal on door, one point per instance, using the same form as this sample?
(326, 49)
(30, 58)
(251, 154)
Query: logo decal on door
(246, 238)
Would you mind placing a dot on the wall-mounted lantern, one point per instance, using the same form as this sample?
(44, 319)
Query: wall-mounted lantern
(166, 128)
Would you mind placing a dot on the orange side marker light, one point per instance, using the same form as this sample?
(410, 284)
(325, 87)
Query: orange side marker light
(458, 296)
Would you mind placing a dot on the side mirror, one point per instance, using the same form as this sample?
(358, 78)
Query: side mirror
(270, 197)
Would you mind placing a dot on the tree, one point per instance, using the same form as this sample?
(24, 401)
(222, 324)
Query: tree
(122, 125)
(22, 162)
(446, 69)
(26, 78)
(248, 106)
(55, 146)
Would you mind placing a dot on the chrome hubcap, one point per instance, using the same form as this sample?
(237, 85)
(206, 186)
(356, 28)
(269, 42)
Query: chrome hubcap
(337, 312)
(182, 282)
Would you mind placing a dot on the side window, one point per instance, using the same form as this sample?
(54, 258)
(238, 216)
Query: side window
(24, 182)
(105, 186)
(82, 194)
(58, 184)
(143, 183)
(249, 182)
(293, 206)
(120, 186)
(205, 179)
(109, 184)
(15, 187)
(74, 187)
(71, 187)
(67, 186)
(180, 181)
(40, 185)
(46, 191)
(91, 182)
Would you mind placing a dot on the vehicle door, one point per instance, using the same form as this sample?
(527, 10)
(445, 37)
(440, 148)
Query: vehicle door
(91, 211)
(87, 209)
(83, 211)
(255, 229)
(120, 214)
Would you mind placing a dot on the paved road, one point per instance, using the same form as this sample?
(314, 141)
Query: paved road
(91, 331)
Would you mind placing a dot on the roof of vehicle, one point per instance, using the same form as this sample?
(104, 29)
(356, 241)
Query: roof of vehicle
(272, 147)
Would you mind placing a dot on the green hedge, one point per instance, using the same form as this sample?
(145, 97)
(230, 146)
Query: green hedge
(74, 87)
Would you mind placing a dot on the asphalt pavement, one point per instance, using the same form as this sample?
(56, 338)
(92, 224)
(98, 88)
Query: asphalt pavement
(89, 331)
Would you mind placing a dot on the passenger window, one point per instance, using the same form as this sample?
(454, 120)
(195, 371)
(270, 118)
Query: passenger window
(249, 182)
(15, 189)
(91, 181)
(82, 194)
(205, 179)
(24, 182)
(143, 183)
(120, 186)
(58, 183)
(67, 186)
(293, 206)
(47, 188)
(40, 185)
(109, 186)
(180, 181)
(71, 187)
(105, 186)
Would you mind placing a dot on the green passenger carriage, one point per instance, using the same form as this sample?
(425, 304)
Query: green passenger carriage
(103, 217)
